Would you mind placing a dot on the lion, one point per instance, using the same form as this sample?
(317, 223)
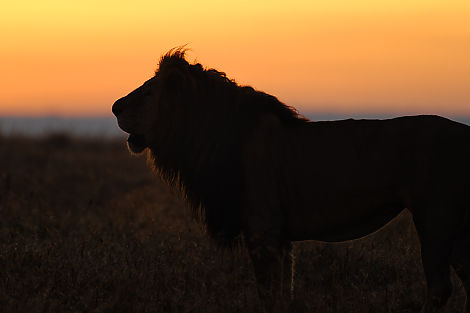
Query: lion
(255, 171)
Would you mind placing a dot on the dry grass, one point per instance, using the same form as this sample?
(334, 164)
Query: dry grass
(85, 227)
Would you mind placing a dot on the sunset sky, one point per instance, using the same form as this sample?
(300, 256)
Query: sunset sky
(376, 57)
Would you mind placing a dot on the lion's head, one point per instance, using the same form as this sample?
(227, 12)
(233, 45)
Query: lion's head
(194, 122)
(146, 111)
(133, 114)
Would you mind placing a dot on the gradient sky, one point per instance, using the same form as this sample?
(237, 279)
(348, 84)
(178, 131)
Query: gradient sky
(339, 56)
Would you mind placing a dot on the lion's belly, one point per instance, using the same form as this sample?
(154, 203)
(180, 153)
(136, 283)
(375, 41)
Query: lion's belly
(340, 218)
(338, 205)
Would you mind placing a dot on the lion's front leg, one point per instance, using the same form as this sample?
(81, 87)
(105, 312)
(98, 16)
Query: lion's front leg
(273, 269)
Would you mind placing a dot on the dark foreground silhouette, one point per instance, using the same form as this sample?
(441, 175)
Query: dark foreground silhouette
(253, 169)
(86, 227)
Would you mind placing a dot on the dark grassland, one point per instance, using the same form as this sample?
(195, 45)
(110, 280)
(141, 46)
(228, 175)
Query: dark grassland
(86, 227)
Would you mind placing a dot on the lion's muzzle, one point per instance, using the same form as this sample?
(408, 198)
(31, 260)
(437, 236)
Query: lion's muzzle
(123, 122)
(117, 107)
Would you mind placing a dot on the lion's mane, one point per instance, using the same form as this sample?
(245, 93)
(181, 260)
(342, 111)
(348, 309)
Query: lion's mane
(203, 124)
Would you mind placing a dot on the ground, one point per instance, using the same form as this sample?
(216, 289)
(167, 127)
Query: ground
(86, 227)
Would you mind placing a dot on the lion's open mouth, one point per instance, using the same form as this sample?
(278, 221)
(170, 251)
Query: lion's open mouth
(136, 143)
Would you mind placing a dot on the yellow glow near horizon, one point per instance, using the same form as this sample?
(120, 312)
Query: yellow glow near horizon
(69, 58)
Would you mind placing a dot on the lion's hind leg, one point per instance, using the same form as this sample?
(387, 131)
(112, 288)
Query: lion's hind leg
(461, 260)
(436, 247)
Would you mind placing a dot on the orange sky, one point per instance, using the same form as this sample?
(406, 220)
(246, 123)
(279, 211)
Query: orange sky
(342, 56)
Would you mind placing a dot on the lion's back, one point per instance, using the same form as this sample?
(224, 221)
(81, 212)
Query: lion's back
(330, 157)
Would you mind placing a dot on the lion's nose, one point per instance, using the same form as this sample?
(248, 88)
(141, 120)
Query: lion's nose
(117, 109)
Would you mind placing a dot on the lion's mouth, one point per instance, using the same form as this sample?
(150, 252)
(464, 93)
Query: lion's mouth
(136, 143)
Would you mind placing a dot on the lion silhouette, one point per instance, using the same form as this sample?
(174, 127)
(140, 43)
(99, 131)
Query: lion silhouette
(253, 169)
